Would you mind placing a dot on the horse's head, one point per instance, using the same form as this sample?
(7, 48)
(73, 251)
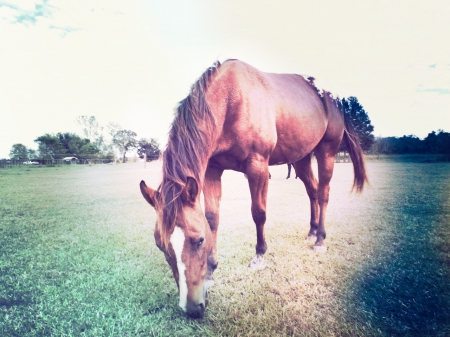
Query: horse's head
(186, 247)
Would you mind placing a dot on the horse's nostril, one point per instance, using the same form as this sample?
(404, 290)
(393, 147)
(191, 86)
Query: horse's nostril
(196, 310)
(201, 309)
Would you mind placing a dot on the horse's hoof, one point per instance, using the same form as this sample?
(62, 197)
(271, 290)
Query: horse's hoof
(320, 249)
(257, 263)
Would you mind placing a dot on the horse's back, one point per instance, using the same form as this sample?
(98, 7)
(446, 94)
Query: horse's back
(278, 116)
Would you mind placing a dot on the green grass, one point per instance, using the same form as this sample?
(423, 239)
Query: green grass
(409, 158)
(77, 257)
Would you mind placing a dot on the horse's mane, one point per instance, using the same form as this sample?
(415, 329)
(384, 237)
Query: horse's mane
(187, 150)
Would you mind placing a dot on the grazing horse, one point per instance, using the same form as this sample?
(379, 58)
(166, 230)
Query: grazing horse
(239, 118)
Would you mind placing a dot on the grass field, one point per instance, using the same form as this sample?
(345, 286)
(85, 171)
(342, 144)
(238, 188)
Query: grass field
(77, 257)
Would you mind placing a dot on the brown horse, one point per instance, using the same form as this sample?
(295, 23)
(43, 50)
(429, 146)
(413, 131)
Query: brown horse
(239, 118)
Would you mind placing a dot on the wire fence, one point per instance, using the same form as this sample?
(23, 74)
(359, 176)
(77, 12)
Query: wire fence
(10, 163)
(341, 157)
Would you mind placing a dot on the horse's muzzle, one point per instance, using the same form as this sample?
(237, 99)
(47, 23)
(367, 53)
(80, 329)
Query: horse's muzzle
(195, 310)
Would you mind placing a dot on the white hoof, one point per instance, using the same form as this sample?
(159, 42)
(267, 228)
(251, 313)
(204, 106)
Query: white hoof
(258, 263)
(320, 249)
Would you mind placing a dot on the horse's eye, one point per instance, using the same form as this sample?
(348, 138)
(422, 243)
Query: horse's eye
(200, 242)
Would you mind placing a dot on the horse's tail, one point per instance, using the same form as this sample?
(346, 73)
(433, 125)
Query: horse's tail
(351, 140)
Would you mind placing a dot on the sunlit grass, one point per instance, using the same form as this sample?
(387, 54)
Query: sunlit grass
(77, 257)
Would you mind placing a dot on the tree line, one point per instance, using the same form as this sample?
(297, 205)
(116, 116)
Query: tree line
(97, 142)
(434, 143)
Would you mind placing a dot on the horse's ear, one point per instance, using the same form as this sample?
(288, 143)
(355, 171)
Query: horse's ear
(190, 191)
(149, 194)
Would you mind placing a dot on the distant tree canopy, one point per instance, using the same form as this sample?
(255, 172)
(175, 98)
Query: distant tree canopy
(96, 141)
(49, 146)
(125, 140)
(360, 122)
(91, 129)
(434, 143)
(65, 144)
(438, 142)
(149, 147)
(89, 150)
(72, 143)
(19, 152)
(32, 154)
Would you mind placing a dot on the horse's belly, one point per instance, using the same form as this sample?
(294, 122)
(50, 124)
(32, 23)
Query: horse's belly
(279, 157)
(296, 138)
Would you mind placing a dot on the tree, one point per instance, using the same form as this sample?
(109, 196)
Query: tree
(88, 151)
(149, 147)
(95, 133)
(438, 143)
(91, 129)
(434, 143)
(360, 121)
(444, 143)
(19, 152)
(72, 143)
(409, 144)
(49, 146)
(431, 142)
(125, 140)
(31, 154)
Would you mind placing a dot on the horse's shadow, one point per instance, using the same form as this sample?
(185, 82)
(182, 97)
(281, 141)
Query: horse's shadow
(405, 289)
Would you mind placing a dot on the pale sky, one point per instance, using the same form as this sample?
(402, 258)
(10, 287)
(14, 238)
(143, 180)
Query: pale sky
(131, 62)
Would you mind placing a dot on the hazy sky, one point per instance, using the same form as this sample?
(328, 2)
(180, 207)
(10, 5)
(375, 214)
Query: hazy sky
(130, 62)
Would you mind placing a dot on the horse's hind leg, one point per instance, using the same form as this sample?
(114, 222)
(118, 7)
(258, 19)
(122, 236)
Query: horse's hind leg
(304, 171)
(258, 173)
(212, 192)
(325, 153)
(289, 171)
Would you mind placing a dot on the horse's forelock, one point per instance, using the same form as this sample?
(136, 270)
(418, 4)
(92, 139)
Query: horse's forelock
(187, 150)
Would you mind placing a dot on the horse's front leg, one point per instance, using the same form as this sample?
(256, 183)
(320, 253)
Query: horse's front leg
(258, 179)
(212, 192)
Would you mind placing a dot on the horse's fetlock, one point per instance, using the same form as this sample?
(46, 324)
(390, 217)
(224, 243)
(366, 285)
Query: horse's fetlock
(321, 236)
(314, 225)
(261, 249)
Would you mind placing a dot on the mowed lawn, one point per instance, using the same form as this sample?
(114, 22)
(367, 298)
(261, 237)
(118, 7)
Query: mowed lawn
(77, 256)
